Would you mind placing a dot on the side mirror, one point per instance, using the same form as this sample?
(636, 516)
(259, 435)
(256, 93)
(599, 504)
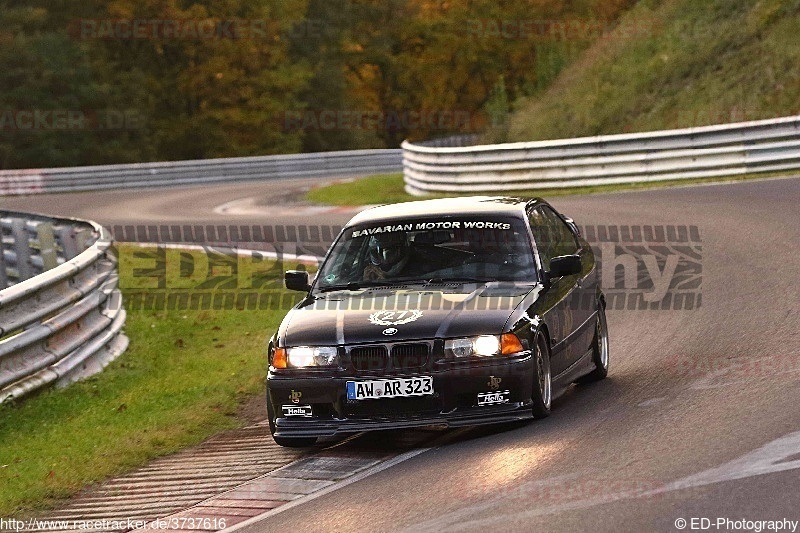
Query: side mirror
(297, 280)
(565, 265)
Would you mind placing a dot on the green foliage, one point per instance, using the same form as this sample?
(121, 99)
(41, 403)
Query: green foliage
(386, 70)
(497, 108)
(46, 74)
(673, 64)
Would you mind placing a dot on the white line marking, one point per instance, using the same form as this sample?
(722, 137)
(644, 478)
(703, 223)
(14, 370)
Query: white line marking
(250, 207)
(772, 457)
(776, 456)
(651, 401)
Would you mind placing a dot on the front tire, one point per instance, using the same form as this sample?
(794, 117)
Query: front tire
(286, 442)
(599, 349)
(542, 393)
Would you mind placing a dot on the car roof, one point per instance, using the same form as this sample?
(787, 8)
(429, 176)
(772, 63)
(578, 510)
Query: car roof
(465, 205)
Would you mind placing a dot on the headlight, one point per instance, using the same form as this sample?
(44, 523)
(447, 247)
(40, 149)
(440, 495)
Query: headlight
(305, 356)
(486, 345)
(458, 347)
(482, 346)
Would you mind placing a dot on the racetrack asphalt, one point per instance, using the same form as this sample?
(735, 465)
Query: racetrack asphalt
(697, 419)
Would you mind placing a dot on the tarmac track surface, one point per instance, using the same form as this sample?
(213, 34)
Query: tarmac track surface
(698, 418)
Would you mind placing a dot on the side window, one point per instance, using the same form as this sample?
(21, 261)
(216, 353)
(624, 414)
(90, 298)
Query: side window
(553, 236)
(565, 243)
(543, 235)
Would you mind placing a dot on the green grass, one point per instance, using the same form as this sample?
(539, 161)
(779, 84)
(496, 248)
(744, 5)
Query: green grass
(378, 189)
(386, 189)
(182, 379)
(674, 64)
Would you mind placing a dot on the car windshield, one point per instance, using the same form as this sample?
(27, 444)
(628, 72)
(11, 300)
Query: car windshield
(429, 250)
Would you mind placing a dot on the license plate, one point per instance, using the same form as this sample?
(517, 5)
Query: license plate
(491, 398)
(389, 388)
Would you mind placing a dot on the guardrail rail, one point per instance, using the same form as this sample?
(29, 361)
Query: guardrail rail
(200, 172)
(61, 314)
(709, 151)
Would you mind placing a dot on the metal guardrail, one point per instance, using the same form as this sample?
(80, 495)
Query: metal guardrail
(709, 151)
(61, 312)
(200, 172)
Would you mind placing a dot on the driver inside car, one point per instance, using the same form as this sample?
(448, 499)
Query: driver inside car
(387, 256)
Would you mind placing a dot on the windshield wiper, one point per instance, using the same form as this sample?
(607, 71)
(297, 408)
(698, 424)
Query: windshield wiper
(433, 281)
(352, 286)
(356, 285)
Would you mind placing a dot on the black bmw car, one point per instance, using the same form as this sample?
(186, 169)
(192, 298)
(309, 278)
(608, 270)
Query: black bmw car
(455, 312)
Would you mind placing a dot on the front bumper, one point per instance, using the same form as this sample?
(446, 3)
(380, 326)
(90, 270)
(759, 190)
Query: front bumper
(454, 403)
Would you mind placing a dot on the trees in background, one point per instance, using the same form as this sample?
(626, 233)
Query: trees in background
(216, 78)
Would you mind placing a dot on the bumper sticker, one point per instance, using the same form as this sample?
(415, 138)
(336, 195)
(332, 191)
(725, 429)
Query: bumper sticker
(492, 398)
(297, 410)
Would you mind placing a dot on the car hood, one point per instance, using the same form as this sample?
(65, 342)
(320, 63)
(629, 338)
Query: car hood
(366, 316)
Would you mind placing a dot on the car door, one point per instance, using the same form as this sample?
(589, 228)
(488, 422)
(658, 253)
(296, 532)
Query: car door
(581, 287)
(556, 298)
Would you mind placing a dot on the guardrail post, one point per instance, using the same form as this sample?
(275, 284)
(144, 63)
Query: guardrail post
(47, 245)
(22, 248)
(3, 273)
(69, 243)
